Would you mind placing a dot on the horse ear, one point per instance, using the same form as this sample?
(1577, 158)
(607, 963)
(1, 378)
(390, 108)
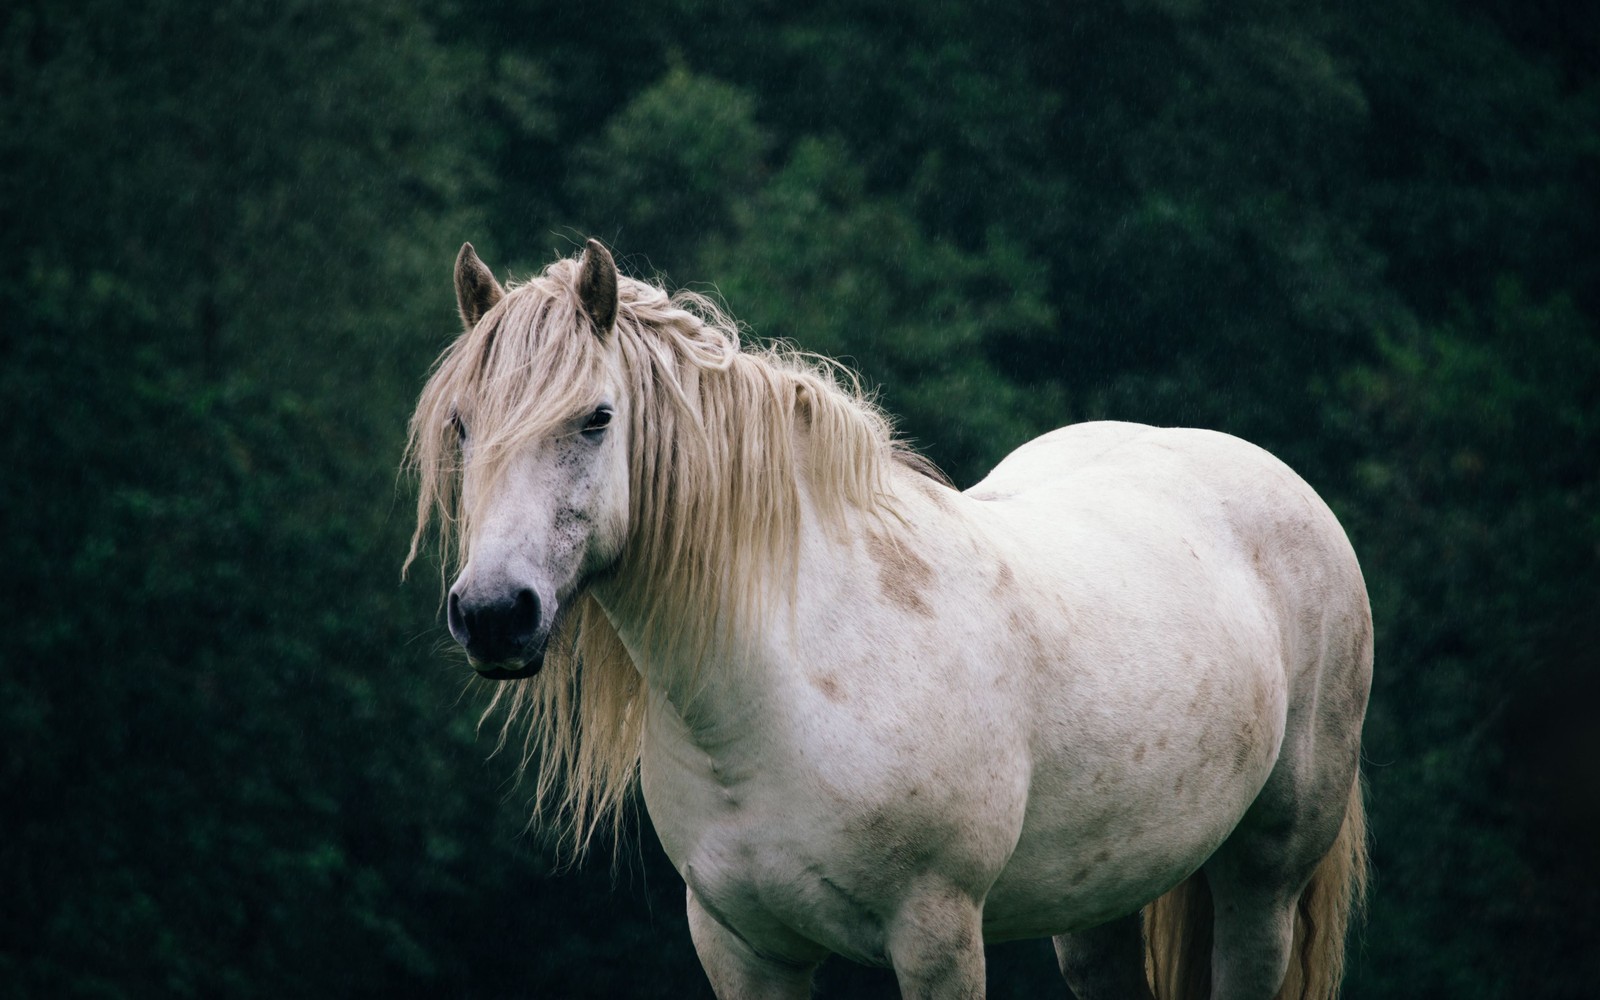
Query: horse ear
(476, 289)
(597, 286)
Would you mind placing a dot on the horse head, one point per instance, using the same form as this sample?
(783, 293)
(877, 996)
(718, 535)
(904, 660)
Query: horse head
(532, 398)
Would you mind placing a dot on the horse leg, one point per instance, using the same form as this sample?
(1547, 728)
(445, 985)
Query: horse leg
(736, 971)
(1257, 878)
(1254, 933)
(1105, 962)
(935, 945)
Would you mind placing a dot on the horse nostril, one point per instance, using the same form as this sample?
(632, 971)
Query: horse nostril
(524, 618)
(457, 621)
(499, 628)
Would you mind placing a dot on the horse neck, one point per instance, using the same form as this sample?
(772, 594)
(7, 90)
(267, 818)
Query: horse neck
(733, 662)
(732, 679)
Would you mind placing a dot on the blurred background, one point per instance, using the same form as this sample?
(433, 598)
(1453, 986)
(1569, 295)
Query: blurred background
(239, 755)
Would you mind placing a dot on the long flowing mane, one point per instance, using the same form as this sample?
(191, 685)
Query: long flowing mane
(723, 441)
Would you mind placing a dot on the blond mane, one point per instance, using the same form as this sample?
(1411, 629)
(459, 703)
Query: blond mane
(722, 442)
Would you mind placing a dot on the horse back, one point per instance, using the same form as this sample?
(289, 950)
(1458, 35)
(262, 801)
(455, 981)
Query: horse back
(1197, 509)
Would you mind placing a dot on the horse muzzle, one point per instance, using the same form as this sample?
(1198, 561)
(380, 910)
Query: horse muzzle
(504, 636)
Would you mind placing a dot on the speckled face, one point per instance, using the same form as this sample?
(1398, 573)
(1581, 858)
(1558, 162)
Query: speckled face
(556, 517)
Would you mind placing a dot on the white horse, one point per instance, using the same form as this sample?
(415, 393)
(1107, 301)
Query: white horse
(877, 717)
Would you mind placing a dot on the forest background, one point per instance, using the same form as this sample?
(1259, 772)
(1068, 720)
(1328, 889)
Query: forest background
(238, 757)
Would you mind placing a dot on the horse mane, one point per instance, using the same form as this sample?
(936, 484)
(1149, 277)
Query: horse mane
(723, 440)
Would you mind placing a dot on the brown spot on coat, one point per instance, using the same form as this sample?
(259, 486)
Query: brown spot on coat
(902, 574)
(934, 492)
(1244, 747)
(1024, 625)
(1138, 753)
(829, 686)
(1005, 579)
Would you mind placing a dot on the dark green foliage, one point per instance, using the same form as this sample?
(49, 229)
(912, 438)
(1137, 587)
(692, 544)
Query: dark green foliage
(1365, 235)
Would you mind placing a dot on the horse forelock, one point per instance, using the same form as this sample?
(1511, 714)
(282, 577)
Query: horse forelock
(509, 379)
(716, 475)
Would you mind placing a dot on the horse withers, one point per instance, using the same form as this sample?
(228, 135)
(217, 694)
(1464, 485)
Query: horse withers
(1111, 694)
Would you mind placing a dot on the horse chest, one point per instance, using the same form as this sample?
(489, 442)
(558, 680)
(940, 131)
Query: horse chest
(769, 869)
(794, 853)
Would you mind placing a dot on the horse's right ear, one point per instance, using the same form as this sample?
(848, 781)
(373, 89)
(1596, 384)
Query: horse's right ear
(476, 289)
(597, 286)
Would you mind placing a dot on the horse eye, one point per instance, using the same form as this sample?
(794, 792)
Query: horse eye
(598, 421)
(461, 429)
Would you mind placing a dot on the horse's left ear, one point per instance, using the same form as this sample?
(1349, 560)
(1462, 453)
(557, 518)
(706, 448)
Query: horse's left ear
(597, 286)
(476, 289)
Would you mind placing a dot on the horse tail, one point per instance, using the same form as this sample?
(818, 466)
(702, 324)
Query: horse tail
(1177, 939)
(1178, 925)
(1336, 893)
